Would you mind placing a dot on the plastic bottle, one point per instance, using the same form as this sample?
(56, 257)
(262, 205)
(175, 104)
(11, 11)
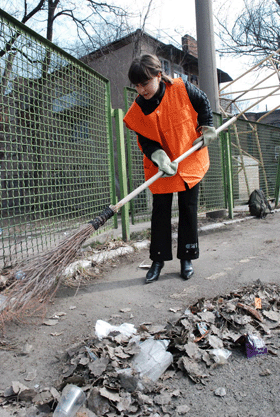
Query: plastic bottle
(153, 359)
(19, 275)
(72, 398)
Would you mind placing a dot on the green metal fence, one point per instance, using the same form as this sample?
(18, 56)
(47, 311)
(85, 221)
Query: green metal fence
(57, 150)
(211, 196)
(140, 207)
(243, 158)
(255, 149)
(55, 143)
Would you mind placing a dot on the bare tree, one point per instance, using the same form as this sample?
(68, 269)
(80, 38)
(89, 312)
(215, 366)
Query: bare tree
(92, 20)
(255, 32)
(139, 33)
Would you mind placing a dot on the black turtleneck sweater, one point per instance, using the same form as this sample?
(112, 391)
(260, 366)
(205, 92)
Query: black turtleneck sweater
(199, 102)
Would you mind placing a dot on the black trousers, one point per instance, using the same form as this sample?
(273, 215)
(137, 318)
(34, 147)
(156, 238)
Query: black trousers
(161, 235)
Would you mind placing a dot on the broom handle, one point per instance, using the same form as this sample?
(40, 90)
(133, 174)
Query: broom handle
(159, 174)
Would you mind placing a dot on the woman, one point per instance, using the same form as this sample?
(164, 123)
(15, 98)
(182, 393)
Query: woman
(168, 116)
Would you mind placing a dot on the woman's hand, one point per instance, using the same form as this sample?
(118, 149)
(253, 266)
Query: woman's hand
(209, 134)
(162, 160)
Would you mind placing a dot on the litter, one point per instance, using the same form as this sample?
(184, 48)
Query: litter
(19, 275)
(153, 359)
(103, 329)
(258, 303)
(92, 356)
(72, 399)
(254, 346)
(121, 371)
(220, 356)
(145, 265)
(3, 299)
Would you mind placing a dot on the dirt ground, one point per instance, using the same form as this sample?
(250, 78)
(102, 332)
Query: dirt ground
(231, 257)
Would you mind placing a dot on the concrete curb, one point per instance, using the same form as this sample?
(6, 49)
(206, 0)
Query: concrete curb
(126, 249)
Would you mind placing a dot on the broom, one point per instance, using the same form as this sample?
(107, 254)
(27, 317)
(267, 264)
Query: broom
(42, 275)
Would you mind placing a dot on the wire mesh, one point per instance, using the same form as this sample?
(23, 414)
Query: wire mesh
(255, 153)
(54, 148)
(211, 195)
(140, 206)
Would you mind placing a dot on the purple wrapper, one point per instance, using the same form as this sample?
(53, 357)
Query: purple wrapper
(254, 346)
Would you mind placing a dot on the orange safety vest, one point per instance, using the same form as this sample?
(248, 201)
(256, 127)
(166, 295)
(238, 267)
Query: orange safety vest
(173, 125)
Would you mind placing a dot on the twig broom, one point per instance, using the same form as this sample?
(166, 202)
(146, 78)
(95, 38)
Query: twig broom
(43, 274)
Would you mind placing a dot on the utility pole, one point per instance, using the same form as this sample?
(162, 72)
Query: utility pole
(207, 69)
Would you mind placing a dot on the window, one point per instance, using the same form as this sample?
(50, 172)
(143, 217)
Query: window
(179, 72)
(181, 75)
(194, 79)
(165, 65)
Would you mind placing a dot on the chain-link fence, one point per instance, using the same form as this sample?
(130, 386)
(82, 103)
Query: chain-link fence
(55, 150)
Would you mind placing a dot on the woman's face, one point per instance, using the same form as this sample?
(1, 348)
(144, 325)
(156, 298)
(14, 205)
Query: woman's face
(149, 88)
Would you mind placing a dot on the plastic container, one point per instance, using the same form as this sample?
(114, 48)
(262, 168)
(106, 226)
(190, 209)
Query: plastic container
(153, 359)
(72, 398)
(19, 275)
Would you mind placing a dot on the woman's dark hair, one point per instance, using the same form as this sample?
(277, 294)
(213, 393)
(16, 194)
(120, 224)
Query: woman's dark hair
(144, 68)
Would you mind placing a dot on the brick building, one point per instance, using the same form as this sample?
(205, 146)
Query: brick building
(114, 59)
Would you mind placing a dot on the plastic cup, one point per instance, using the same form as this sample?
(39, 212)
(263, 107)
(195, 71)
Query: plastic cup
(72, 398)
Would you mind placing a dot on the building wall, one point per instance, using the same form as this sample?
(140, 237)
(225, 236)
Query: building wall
(115, 65)
(271, 119)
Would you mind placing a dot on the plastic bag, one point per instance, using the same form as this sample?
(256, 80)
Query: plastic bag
(102, 329)
(220, 356)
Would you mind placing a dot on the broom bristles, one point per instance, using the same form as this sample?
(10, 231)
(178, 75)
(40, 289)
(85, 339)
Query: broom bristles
(43, 273)
(42, 277)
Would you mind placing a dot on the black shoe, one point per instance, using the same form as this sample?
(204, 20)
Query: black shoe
(186, 269)
(154, 272)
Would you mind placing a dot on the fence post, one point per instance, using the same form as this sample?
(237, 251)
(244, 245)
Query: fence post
(110, 114)
(277, 184)
(129, 158)
(118, 114)
(228, 173)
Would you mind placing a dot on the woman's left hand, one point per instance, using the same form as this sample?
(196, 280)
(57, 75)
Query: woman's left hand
(209, 134)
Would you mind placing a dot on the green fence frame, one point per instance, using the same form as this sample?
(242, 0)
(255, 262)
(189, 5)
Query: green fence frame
(56, 148)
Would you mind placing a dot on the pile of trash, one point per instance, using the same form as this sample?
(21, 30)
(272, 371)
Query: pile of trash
(122, 369)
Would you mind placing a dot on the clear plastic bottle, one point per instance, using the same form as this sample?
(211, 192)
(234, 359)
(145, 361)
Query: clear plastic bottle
(153, 359)
(72, 398)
